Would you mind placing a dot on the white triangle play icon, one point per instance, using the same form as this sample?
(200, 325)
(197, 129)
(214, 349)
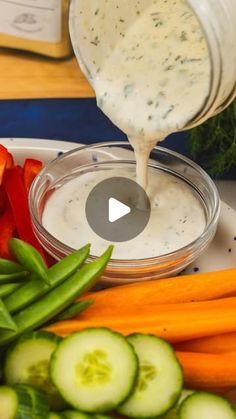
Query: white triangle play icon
(117, 210)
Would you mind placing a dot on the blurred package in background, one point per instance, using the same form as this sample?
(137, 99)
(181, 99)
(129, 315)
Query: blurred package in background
(39, 26)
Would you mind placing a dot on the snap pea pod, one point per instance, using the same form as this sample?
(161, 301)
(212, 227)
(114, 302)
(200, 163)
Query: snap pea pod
(7, 289)
(73, 310)
(6, 321)
(16, 277)
(57, 299)
(58, 273)
(29, 257)
(10, 267)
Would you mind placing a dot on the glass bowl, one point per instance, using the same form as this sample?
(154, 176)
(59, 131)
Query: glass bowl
(103, 156)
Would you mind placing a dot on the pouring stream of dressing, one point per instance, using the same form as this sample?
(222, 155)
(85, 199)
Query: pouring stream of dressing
(149, 65)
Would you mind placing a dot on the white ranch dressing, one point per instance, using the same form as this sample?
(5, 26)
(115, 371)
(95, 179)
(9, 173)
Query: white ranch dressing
(149, 64)
(177, 216)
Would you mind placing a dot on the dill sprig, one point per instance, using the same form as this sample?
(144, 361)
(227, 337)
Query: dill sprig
(213, 144)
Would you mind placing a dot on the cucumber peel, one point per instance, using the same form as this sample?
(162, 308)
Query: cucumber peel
(22, 402)
(32, 403)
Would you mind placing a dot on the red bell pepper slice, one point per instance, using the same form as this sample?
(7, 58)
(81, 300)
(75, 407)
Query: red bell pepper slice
(31, 169)
(7, 231)
(10, 161)
(3, 200)
(17, 196)
(3, 161)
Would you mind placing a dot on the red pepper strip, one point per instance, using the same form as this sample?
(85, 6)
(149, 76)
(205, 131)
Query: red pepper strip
(31, 169)
(6, 161)
(3, 200)
(7, 231)
(14, 187)
(10, 161)
(3, 161)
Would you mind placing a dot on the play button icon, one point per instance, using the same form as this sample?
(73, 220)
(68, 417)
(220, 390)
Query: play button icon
(117, 209)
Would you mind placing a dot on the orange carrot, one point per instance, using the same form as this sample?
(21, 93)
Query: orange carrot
(204, 371)
(200, 287)
(213, 344)
(174, 322)
(147, 310)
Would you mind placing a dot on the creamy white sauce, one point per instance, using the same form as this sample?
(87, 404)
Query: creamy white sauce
(149, 64)
(177, 216)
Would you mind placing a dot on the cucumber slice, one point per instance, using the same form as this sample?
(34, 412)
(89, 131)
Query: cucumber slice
(173, 413)
(22, 402)
(95, 370)
(8, 403)
(27, 362)
(160, 378)
(32, 403)
(72, 414)
(201, 405)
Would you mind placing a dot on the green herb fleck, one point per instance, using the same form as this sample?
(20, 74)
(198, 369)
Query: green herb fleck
(183, 36)
(171, 108)
(128, 89)
(169, 67)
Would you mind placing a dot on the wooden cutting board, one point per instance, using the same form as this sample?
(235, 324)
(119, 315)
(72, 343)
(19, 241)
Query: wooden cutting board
(28, 76)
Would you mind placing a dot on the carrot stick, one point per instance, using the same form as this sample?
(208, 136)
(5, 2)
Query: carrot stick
(131, 310)
(213, 344)
(200, 287)
(184, 323)
(204, 371)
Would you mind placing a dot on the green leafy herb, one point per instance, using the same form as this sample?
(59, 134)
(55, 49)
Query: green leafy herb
(213, 144)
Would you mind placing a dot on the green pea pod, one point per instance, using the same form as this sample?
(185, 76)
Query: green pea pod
(29, 257)
(56, 300)
(10, 267)
(73, 310)
(7, 289)
(33, 290)
(6, 321)
(16, 277)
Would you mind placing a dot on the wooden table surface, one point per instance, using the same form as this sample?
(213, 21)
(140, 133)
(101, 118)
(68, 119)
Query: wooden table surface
(27, 76)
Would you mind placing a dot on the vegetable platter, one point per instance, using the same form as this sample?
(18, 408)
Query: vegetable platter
(157, 349)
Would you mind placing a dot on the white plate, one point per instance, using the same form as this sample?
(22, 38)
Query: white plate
(216, 257)
(44, 150)
(220, 255)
